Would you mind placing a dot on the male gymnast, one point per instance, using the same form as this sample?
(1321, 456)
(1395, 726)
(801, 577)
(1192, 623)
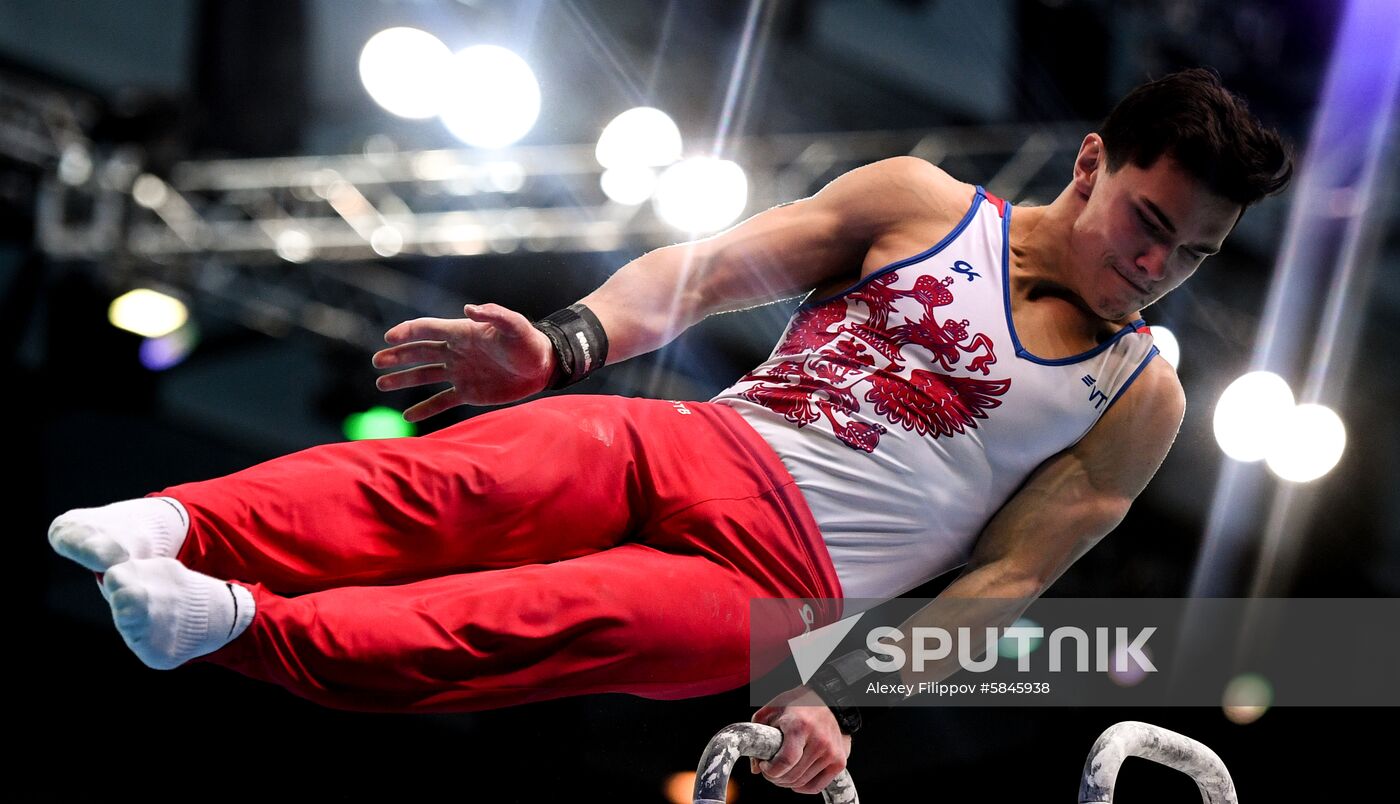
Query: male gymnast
(967, 384)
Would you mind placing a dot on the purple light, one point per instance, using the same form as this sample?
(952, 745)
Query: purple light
(159, 354)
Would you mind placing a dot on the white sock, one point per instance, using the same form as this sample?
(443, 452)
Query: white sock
(169, 614)
(98, 538)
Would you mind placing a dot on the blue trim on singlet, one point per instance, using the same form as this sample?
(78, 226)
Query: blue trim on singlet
(1021, 351)
(939, 246)
(1151, 353)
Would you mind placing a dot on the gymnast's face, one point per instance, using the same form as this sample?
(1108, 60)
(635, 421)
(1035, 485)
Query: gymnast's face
(1141, 231)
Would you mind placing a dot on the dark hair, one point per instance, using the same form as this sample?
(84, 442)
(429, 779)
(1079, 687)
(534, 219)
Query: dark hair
(1206, 128)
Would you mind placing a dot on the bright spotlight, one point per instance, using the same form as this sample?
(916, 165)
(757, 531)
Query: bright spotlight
(75, 165)
(1166, 343)
(148, 313)
(639, 137)
(387, 241)
(503, 177)
(1312, 442)
(492, 98)
(404, 70)
(629, 185)
(701, 194)
(293, 245)
(1250, 415)
(149, 191)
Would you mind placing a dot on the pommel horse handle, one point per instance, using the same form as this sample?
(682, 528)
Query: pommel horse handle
(1132, 738)
(752, 740)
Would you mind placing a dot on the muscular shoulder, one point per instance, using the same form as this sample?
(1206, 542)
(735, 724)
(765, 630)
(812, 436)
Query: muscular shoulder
(933, 196)
(1124, 449)
(897, 192)
(1156, 394)
(930, 183)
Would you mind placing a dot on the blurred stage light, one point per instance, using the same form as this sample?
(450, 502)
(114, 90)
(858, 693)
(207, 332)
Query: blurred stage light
(1124, 669)
(635, 142)
(1310, 444)
(602, 235)
(502, 177)
(377, 422)
(75, 165)
(433, 166)
(405, 70)
(322, 181)
(293, 245)
(148, 313)
(1250, 415)
(159, 354)
(461, 185)
(679, 788)
(149, 191)
(537, 237)
(639, 137)
(492, 98)
(1247, 697)
(504, 238)
(387, 241)
(629, 185)
(1010, 648)
(379, 149)
(701, 194)
(1166, 343)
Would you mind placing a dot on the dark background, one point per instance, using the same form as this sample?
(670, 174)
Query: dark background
(194, 80)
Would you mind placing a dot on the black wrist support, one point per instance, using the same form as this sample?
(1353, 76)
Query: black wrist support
(843, 680)
(579, 342)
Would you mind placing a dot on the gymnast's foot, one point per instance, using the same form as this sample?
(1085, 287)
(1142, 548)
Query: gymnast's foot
(98, 538)
(169, 614)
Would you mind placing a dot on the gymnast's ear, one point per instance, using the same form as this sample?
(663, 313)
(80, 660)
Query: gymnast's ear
(1092, 160)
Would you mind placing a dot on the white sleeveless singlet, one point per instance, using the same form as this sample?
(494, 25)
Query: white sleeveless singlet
(908, 411)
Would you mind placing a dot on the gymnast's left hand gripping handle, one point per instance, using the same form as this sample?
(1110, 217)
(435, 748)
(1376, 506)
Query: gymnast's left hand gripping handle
(752, 740)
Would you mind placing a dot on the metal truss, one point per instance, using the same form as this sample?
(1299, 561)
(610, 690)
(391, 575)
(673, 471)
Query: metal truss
(40, 122)
(313, 242)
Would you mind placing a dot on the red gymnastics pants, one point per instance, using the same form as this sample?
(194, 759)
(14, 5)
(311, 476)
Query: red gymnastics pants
(571, 545)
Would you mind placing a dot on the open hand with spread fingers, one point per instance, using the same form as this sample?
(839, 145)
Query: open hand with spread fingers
(492, 356)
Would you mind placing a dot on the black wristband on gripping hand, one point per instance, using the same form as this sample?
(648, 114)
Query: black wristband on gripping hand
(840, 681)
(579, 342)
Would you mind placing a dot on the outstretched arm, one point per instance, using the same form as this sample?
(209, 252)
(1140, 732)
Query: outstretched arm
(1063, 509)
(494, 355)
(777, 254)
